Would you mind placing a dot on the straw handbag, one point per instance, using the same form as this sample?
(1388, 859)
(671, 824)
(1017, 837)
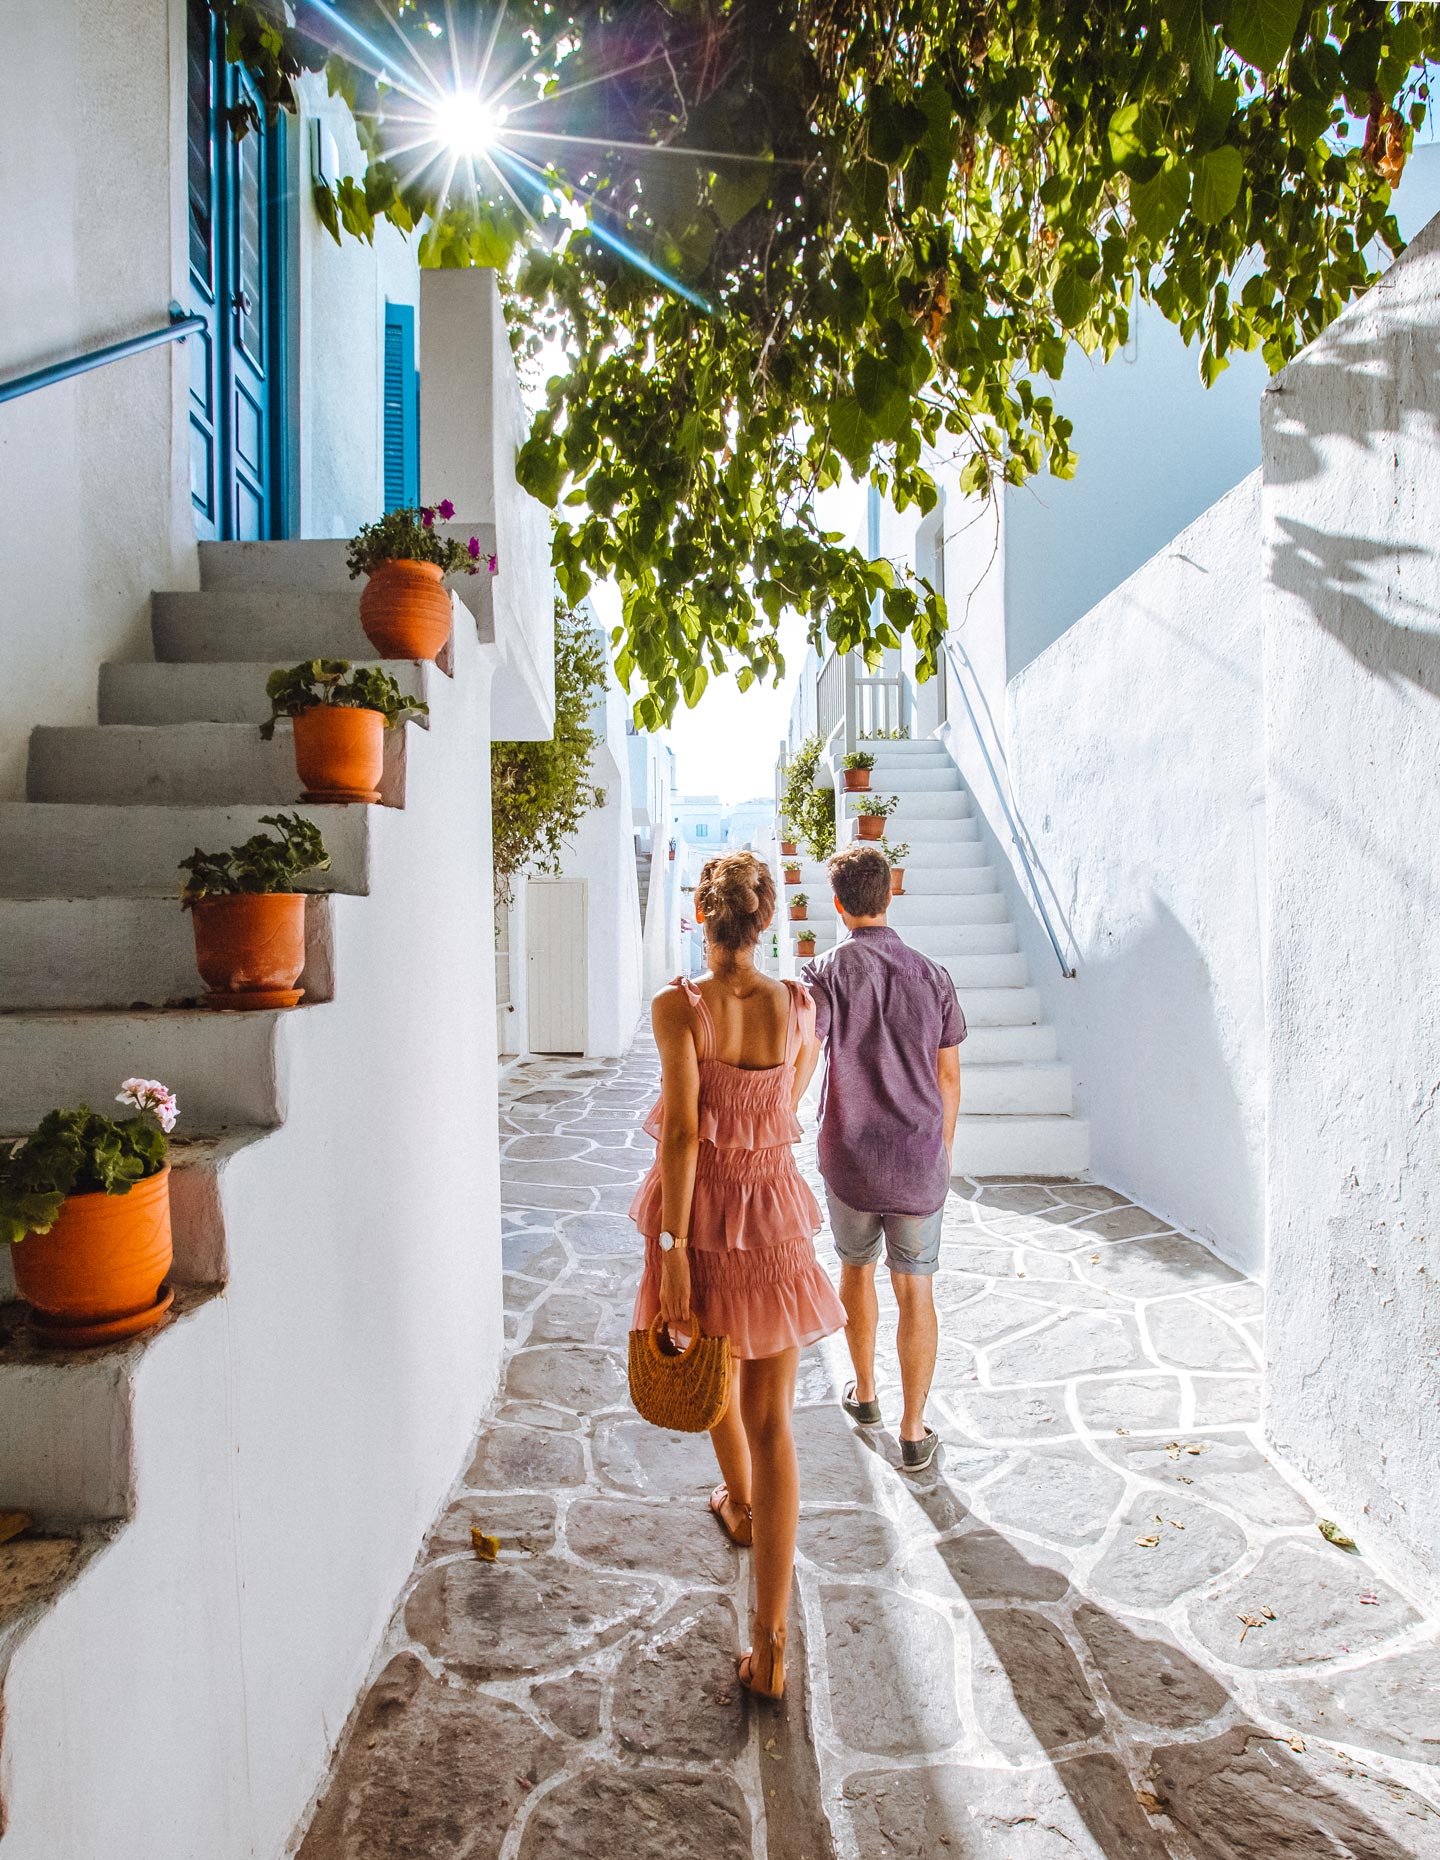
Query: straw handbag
(688, 1389)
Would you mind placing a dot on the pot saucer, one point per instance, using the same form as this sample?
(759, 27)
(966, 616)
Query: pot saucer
(86, 1336)
(339, 796)
(249, 999)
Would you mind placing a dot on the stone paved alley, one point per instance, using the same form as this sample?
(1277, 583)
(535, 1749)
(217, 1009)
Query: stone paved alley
(1039, 1653)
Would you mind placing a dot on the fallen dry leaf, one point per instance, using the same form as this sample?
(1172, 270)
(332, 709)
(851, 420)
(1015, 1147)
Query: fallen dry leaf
(1185, 1479)
(1122, 1430)
(1094, 1259)
(1149, 1801)
(1253, 1621)
(1176, 1525)
(1370, 1598)
(1297, 1744)
(486, 1548)
(1333, 1534)
(1147, 1543)
(1172, 1452)
(12, 1523)
(1202, 1448)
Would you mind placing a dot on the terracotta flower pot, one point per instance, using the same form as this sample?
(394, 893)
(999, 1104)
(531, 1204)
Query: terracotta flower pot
(405, 610)
(897, 880)
(99, 1273)
(792, 875)
(856, 780)
(870, 826)
(251, 948)
(804, 946)
(789, 848)
(340, 752)
(797, 913)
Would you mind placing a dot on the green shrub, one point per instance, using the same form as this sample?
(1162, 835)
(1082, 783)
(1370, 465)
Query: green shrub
(260, 865)
(298, 688)
(809, 809)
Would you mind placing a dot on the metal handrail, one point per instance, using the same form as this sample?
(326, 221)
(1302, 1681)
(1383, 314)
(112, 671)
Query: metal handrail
(177, 329)
(1065, 968)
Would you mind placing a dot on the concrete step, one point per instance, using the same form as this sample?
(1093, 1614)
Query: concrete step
(231, 693)
(224, 1067)
(893, 776)
(912, 749)
(1028, 1088)
(280, 625)
(1005, 1046)
(937, 940)
(316, 563)
(120, 953)
(918, 804)
(911, 910)
(1000, 1007)
(1021, 1146)
(935, 891)
(942, 871)
(223, 763)
(1009, 971)
(78, 850)
(924, 834)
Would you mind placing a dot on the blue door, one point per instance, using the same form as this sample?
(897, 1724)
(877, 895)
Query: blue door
(236, 203)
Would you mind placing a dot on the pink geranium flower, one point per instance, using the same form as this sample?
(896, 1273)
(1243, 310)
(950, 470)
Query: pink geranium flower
(150, 1095)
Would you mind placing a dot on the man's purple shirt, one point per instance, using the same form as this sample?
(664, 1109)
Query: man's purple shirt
(884, 1012)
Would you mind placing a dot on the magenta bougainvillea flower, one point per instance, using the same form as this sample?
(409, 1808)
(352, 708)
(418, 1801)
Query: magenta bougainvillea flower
(474, 548)
(447, 510)
(427, 517)
(491, 563)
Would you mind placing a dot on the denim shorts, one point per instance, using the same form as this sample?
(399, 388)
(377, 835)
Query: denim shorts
(912, 1241)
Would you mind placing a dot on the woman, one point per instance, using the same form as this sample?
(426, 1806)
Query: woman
(730, 1224)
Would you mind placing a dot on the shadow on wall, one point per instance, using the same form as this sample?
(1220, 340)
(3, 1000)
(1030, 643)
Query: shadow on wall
(1240, 1791)
(1148, 1001)
(1370, 419)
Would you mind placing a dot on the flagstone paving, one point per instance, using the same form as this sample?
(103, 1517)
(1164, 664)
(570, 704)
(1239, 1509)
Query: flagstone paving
(1106, 1625)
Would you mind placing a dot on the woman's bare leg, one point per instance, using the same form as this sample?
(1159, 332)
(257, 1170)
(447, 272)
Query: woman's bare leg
(767, 1397)
(732, 1451)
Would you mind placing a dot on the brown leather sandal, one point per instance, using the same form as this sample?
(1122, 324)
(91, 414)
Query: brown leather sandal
(762, 1669)
(719, 1499)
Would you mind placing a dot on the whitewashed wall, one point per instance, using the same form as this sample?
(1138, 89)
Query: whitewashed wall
(1352, 670)
(1136, 765)
(95, 473)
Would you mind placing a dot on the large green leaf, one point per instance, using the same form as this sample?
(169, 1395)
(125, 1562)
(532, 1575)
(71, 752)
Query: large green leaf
(1260, 30)
(1074, 298)
(1218, 176)
(1158, 204)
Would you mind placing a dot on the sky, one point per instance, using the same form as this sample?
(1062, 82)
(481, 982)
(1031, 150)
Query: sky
(727, 745)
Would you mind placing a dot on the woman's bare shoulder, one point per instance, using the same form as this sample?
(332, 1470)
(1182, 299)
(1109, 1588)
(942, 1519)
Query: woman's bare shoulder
(670, 1006)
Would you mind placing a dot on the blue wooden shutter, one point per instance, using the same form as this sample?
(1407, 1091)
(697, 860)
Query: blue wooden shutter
(402, 410)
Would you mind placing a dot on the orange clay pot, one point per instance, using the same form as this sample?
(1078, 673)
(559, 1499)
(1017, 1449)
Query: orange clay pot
(340, 752)
(797, 913)
(897, 880)
(789, 848)
(251, 948)
(804, 946)
(870, 826)
(856, 780)
(99, 1273)
(405, 610)
(792, 875)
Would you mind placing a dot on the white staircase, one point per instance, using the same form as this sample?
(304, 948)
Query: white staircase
(1016, 1111)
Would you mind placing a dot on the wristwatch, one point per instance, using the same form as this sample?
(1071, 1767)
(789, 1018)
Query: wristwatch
(669, 1242)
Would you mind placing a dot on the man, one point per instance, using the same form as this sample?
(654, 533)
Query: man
(892, 1028)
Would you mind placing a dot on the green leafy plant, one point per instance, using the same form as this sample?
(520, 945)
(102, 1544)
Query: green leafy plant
(411, 536)
(779, 241)
(331, 681)
(894, 854)
(800, 898)
(876, 806)
(81, 1152)
(266, 862)
(811, 809)
(900, 734)
(540, 792)
(858, 759)
(792, 865)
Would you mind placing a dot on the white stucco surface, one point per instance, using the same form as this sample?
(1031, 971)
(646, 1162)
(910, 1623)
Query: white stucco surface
(293, 1438)
(1136, 768)
(1352, 670)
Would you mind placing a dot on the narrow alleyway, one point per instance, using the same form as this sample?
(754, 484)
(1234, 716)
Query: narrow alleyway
(1106, 1626)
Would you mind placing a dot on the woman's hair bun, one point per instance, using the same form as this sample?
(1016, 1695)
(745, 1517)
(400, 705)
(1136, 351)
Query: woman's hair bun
(735, 897)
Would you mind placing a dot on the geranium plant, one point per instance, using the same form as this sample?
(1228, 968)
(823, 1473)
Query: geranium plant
(81, 1152)
(299, 688)
(894, 853)
(877, 806)
(411, 536)
(859, 759)
(265, 863)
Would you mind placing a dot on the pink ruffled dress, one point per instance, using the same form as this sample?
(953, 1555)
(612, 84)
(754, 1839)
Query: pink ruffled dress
(754, 1277)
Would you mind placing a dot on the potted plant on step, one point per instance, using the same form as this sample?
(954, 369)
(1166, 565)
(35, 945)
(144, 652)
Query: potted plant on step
(792, 871)
(249, 918)
(340, 718)
(805, 944)
(798, 906)
(405, 609)
(789, 845)
(857, 766)
(872, 813)
(895, 856)
(85, 1206)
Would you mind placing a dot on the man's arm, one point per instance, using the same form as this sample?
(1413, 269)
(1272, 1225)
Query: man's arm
(947, 1073)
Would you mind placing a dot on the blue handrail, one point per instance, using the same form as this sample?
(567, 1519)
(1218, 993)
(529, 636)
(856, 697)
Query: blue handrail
(177, 329)
(1065, 968)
